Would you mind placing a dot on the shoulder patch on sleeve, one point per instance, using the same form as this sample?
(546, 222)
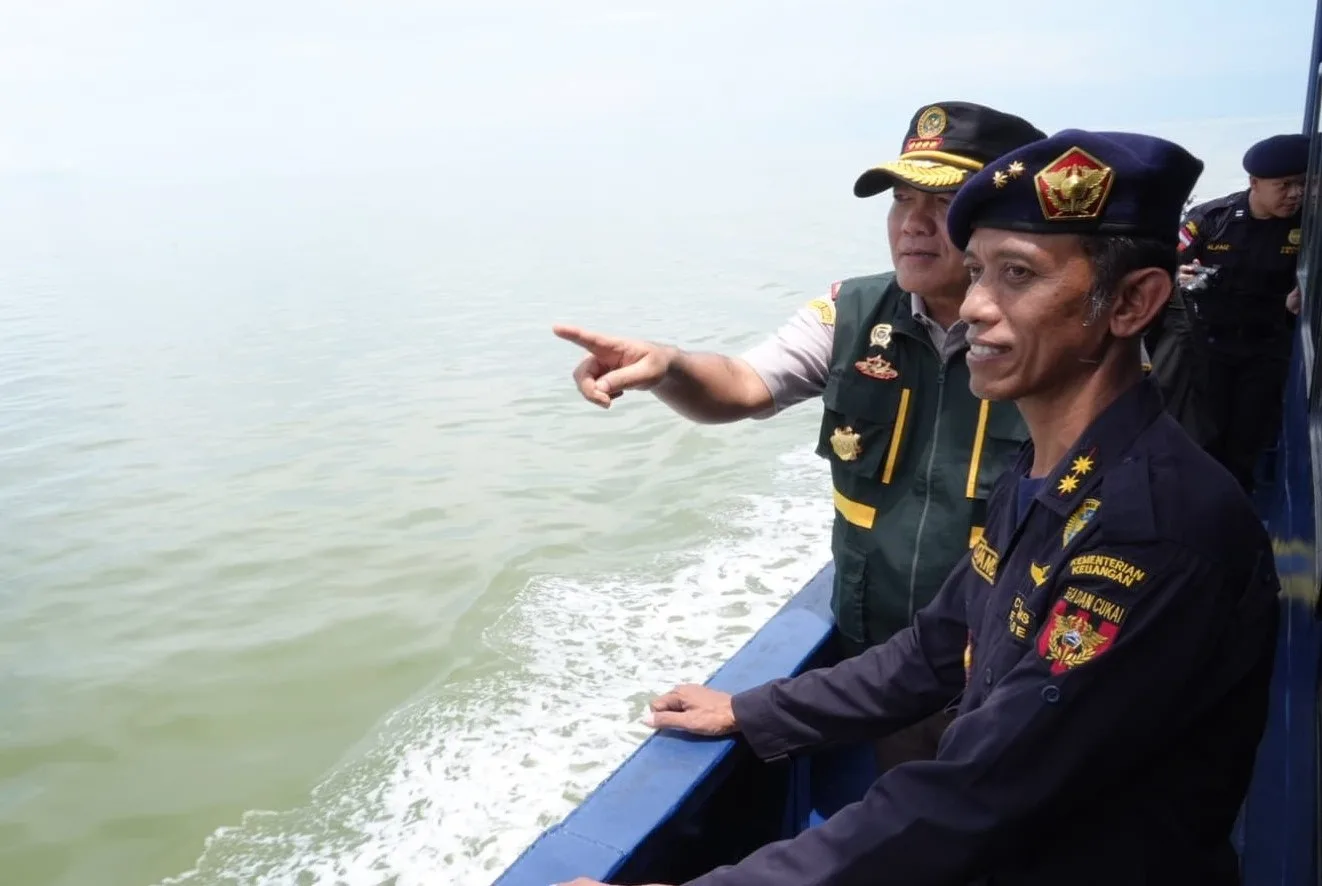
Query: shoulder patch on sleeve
(835, 289)
(824, 309)
(1188, 231)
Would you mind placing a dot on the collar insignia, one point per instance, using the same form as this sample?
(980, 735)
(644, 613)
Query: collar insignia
(1082, 516)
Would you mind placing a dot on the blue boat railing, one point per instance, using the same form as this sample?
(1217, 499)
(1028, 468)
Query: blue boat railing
(660, 811)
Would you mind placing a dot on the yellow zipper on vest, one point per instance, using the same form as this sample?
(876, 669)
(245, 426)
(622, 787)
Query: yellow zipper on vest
(900, 415)
(971, 488)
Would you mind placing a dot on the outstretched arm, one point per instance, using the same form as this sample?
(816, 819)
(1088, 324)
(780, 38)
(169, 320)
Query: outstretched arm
(707, 388)
(788, 367)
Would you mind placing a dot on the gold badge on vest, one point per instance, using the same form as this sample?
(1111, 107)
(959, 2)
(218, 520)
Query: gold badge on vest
(846, 443)
(877, 366)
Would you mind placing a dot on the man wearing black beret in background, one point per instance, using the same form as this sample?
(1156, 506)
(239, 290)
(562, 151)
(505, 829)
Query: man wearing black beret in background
(1238, 256)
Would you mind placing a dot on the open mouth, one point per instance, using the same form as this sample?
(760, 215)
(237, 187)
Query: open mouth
(983, 351)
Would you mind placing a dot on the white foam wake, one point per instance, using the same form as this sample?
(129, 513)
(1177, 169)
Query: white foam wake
(456, 788)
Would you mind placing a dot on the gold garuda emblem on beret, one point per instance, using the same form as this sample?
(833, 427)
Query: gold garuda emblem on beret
(1073, 186)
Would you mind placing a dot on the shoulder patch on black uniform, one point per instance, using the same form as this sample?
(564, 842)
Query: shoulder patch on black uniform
(1188, 233)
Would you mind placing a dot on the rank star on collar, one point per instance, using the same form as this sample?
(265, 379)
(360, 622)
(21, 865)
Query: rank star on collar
(1080, 466)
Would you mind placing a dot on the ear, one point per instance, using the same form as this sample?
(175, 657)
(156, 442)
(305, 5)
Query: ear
(1139, 298)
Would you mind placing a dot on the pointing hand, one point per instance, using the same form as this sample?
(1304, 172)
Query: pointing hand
(615, 365)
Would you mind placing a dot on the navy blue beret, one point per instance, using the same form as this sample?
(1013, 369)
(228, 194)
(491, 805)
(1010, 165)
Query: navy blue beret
(1280, 156)
(1079, 182)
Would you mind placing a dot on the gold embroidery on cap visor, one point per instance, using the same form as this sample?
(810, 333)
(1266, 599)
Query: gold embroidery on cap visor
(931, 169)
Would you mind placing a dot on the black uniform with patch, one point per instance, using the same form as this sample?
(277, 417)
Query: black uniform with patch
(1113, 645)
(1243, 326)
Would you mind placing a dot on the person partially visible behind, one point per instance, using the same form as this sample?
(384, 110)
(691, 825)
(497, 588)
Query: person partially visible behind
(1238, 258)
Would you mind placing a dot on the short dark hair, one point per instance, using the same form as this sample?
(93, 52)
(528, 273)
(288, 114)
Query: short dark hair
(1114, 257)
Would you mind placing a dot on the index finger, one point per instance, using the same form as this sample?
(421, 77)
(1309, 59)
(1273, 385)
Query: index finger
(584, 338)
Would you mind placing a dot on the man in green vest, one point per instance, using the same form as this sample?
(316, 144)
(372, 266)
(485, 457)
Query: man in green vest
(913, 453)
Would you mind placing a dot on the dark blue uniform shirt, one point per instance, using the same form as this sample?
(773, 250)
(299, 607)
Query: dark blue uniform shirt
(1113, 651)
(1256, 260)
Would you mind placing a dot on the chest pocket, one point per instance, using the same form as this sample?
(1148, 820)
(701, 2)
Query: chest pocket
(1009, 617)
(865, 424)
(999, 435)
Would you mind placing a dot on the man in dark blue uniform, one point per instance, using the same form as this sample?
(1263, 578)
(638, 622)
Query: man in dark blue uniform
(1241, 324)
(1110, 640)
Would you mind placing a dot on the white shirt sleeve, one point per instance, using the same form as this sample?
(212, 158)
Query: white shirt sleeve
(794, 362)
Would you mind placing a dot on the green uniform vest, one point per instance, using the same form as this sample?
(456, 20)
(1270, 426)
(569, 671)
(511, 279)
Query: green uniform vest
(913, 453)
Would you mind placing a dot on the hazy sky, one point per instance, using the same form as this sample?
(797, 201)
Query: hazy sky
(521, 96)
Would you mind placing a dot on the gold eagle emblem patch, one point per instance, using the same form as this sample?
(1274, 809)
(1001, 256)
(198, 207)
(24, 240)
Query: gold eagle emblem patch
(1074, 185)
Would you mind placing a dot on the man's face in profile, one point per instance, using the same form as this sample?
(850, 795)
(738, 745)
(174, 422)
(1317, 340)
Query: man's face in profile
(925, 260)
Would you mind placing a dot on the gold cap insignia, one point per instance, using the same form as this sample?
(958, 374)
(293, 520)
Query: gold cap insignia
(846, 443)
(931, 122)
(881, 335)
(1073, 186)
(1295, 236)
(877, 367)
